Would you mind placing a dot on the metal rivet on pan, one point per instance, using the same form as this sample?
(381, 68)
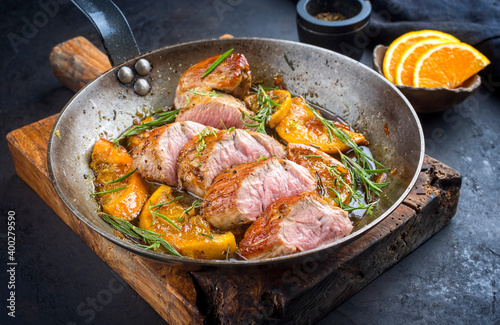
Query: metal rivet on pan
(141, 87)
(143, 67)
(125, 75)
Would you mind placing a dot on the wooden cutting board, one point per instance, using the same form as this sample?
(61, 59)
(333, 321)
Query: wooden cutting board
(302, 293)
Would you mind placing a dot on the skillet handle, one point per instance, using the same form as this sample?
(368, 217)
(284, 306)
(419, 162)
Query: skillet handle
(112, 27)
(77, 62)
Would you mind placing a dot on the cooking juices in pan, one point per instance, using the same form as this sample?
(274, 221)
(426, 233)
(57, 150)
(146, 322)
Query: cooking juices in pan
(235, 170)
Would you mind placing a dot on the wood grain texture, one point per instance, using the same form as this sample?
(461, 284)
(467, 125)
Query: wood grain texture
(77, 62)
(302, 293)
(169, 291)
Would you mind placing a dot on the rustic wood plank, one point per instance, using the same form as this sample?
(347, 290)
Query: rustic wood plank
(302, 293)
(307, 292)
(169, 291)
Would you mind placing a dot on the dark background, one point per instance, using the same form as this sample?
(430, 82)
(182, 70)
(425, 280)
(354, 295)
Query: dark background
(453, 278)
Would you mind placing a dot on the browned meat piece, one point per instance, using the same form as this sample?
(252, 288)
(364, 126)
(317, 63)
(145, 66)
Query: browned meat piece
(231, 76)
(211, 153)
(239, 195)
(294, 224)
(156, 154)
(334, 175)
(214, 109)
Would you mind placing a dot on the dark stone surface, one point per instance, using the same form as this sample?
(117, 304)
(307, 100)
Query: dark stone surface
(454, 278)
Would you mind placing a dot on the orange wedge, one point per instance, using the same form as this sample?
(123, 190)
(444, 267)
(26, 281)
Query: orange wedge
(406, 65)
(448, 65)
(402, 43)
(122, 198)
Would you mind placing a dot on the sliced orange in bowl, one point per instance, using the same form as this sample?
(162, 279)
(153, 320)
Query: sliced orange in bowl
(402, 43)
(448, 65)
(406, 66)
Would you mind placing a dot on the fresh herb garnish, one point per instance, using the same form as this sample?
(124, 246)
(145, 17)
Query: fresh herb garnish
(201, 138)
(121, 178)
(159, 205)
(340, 179)
(216, 63)
(110, 191)
(166, 203)
(311, 156)
(211, 93)
(266, 107)
(167, 219)
(208, 236)
(227, 252)
(363, 177)
(195, 205)
(163, 118)
(346, 207)
(262, 158)
(289, 63)
(187, 101)
(345, 139)
(152, 239)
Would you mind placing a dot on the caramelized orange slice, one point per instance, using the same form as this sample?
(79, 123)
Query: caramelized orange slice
(301, 126)
(109, 163)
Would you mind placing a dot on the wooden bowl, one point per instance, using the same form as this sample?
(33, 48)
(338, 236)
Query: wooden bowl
(429, 100)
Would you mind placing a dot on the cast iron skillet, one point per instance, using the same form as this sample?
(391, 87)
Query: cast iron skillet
(341, 85)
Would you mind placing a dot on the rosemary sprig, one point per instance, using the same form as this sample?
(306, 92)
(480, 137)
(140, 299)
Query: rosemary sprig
(195, 205)
(152, 239)
(227, 252)
(164, 217)
(346, 207)
(166, 203)
(211, 93)
(266, 107)
(122, 178)
(333, 171)
(208, 236)
(363, 177)
(345, 139)
(311, 156)
(216, 63)
(159, 205)
(289, 63)
(164, 118)
(109, 191)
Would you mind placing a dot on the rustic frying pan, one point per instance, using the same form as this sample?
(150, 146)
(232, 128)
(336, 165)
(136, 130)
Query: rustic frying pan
(344, 87)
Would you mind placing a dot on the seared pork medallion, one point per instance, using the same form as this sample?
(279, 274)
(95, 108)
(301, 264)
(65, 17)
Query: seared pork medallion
(239, 195)
(212, 152)
(241, 179)
(214, 109)
(232, 76)
(294, 224)
(156, 155)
